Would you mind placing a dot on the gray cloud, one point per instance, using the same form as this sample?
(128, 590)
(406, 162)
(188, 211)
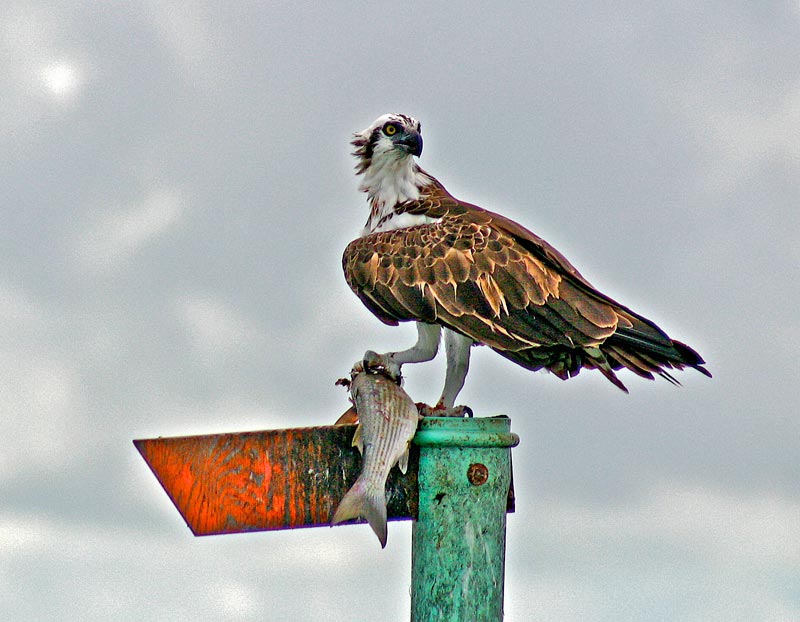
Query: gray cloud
(177, 193)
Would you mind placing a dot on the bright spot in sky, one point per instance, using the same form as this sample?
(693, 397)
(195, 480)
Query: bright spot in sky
(61, 78)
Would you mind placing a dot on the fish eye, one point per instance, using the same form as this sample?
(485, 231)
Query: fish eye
(390, 129)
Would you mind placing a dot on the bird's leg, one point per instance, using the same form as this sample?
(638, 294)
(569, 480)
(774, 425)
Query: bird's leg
(424, 350)
(457, 348)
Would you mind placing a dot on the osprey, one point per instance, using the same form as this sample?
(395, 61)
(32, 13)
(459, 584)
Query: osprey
(481, 278)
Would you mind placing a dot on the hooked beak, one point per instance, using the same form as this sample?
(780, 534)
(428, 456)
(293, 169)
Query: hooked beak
(410, 142)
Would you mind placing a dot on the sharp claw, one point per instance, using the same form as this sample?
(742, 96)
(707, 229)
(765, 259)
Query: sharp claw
(379, 363)
(371, 360)
(457, 411)
(441, 411)
(424, 409)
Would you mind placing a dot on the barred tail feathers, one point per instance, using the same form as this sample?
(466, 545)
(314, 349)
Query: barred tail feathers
(642, 348)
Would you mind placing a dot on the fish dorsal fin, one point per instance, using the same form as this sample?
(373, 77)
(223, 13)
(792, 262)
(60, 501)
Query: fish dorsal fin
(402, 461)
(358, 441)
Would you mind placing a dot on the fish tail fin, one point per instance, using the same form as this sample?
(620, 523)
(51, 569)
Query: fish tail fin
(368, 502)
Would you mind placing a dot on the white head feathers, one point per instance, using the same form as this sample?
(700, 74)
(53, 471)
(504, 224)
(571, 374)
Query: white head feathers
(385, 153)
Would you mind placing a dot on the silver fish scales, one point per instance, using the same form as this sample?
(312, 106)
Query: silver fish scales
(388, 420)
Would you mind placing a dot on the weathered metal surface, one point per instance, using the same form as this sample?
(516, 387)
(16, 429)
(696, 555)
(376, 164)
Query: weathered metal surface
(273, 479)
(458, 549)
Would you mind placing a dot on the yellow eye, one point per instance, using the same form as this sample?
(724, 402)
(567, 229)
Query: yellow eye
(390, 129)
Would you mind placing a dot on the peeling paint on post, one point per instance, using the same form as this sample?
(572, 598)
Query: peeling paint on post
(459, 537)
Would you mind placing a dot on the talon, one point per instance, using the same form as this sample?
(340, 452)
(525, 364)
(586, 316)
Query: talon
(371, 361)
(424, 410)
(442, 411)
(382, 363)
(358, 367)
(455, 411)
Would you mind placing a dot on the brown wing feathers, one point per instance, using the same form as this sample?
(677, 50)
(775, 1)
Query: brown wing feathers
(492, 280)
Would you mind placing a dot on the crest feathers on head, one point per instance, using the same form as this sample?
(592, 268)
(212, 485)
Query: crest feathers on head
(362, 151)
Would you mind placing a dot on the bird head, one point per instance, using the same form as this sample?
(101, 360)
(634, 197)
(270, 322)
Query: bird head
(390, 136)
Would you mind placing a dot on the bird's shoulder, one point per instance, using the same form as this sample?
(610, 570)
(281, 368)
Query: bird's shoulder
(465, 226)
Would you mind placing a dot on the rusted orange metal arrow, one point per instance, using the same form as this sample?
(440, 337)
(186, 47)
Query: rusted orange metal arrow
(272, 479)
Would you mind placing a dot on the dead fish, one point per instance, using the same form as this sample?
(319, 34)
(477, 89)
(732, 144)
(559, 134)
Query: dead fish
(388, 420)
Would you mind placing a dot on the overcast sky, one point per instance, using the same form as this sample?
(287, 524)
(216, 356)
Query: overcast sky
(176, 191)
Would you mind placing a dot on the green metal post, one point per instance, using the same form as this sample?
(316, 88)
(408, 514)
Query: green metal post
(459, 538)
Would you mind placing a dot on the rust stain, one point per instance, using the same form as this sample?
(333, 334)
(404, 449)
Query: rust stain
(253, 481)
(272, 479)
